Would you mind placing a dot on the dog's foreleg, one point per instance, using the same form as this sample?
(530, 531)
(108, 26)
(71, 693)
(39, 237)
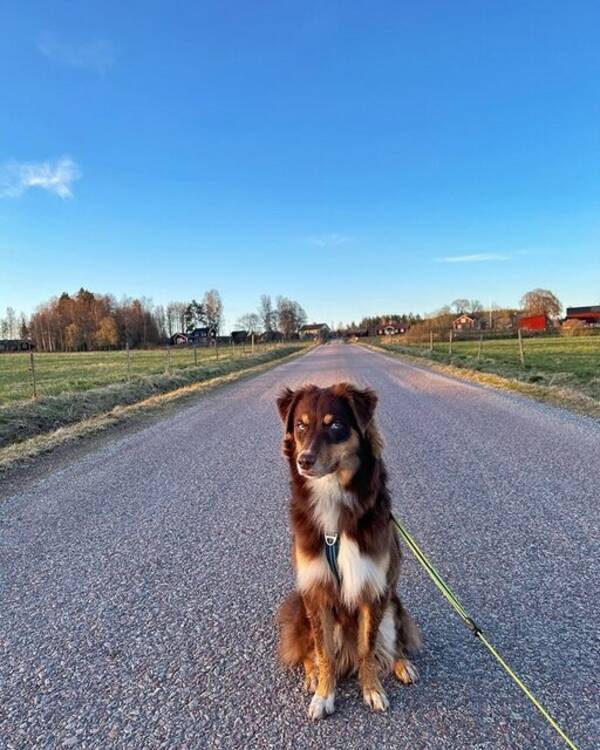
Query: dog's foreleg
(369, 619)
(322, 703)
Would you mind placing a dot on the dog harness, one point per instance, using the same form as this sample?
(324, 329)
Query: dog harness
(332, 548)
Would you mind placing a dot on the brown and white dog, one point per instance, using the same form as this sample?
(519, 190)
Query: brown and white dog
(345, 615)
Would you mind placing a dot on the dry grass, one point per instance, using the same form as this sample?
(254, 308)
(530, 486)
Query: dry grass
(23, 420)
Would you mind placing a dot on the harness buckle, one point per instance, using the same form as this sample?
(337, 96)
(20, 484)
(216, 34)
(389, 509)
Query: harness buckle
(331, 539)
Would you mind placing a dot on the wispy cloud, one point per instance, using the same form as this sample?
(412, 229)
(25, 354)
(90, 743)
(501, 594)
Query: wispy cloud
(473, 258)
(329, 240)
(96, 54)
(54, 176)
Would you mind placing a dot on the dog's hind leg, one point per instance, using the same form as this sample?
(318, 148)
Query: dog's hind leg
(408, 638)
(295, 642)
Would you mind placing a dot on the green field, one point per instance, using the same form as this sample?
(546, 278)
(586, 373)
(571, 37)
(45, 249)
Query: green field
(80, 371)
(572, 361)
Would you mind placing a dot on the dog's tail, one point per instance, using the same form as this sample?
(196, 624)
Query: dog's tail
(296, 636)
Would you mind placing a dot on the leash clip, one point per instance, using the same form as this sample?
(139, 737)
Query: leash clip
(331, 539)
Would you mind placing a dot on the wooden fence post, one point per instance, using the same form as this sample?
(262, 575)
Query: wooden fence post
(33, 383)
(430, 341)
(521, 350)
(479, 348)
(195, 355)
(168, 363)
(128, 361)
(253, 343)
(450, 343)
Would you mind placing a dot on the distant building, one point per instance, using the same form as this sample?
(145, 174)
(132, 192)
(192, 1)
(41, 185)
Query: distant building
(589, 315)
(270, 336)
(314, 331)
(201, 336)
(238, 337)
(16, 345)
(467, 321)
(533, 322)
(390, 329)
(177, 339)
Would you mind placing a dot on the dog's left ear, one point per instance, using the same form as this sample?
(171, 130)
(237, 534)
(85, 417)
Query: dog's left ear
(362, 402)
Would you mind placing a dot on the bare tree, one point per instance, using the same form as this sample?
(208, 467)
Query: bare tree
(290, 316)
(460, 305)
(160, 319)
(266, 313)
(213, 310)
(175, 314)
(249, 322)
(11, 323)
(541, 302)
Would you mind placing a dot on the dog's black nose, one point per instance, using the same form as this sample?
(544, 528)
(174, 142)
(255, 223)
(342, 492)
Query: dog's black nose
(306, 459)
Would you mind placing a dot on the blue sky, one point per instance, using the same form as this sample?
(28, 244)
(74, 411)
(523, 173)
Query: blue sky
(337, 153)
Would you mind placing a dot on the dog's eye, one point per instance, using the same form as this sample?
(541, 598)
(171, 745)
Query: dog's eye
(300, 426)
(337, 426)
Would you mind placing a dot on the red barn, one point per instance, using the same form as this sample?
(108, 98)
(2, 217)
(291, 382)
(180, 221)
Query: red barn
(533, 322)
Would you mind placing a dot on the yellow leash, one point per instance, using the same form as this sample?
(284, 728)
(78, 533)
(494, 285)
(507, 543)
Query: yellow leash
(469, 622)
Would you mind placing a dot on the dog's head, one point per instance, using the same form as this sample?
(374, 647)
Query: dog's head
(326, 428)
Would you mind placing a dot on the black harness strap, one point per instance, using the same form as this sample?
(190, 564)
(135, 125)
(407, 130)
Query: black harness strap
(332, 548)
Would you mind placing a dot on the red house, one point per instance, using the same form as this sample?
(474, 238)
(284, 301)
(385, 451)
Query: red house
(533, 322)
(589, 315)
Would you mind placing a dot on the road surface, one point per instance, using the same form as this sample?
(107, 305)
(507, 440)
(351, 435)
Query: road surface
(139, 582)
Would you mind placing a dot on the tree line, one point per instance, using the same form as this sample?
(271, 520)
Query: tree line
(87, 320)
(286, 318)
(534, 302)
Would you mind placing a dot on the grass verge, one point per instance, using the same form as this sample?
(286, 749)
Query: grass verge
(539, 388)
(39, 426)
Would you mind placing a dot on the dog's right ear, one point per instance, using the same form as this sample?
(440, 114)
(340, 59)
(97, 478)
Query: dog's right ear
(284, 402)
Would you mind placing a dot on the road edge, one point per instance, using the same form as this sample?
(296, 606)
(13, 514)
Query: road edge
(554, 395)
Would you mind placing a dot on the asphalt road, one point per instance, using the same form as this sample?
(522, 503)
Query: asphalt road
(138, 583)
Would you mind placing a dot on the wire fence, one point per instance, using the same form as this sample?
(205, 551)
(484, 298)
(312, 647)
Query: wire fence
(25, 375)
(559, 358)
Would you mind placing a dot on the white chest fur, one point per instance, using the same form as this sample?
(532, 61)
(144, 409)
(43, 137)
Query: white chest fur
(327, 497)
(361, 575)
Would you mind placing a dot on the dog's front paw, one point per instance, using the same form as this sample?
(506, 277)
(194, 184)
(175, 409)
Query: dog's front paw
(376, 698)
(321, 707)
(406, 671)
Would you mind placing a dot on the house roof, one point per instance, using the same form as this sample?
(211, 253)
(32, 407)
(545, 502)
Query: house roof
(583, 310)
(471, 316)
(312, 326)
